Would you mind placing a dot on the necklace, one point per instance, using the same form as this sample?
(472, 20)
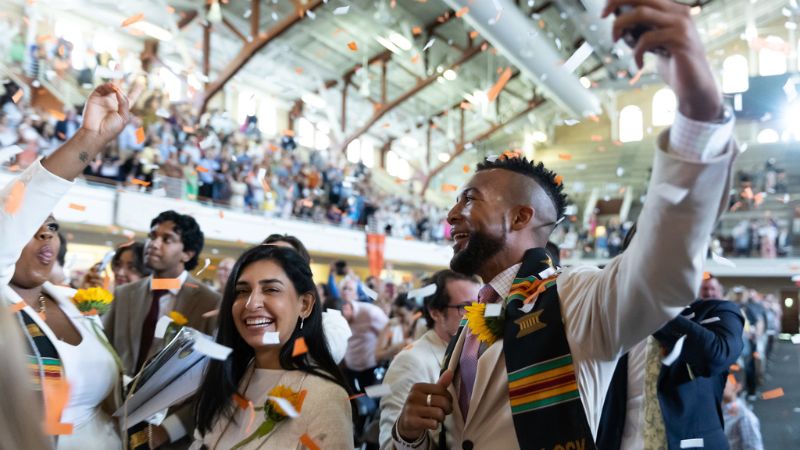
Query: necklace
(42, 307)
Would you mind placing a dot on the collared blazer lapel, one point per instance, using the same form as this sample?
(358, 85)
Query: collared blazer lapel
(136, 307)
(458, 417)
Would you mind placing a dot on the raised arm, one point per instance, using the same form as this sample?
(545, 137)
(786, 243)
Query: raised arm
(610, 310)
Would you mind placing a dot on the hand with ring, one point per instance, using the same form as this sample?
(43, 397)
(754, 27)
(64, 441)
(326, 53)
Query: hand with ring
(425, 408)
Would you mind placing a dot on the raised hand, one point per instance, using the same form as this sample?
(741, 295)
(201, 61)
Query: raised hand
(107, 111)
(425, 408)
(686, 70)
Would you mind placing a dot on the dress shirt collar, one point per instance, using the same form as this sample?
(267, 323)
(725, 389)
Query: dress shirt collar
(502, 282)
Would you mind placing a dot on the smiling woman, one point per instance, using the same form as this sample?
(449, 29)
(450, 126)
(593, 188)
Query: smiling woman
(272, 319)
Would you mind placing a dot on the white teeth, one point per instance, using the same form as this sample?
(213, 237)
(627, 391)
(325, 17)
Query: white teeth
(258, 321)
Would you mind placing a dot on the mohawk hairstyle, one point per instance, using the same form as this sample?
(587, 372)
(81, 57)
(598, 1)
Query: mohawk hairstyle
(545, 178)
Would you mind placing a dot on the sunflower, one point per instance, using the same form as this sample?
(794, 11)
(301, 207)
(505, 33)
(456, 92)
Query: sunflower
(92, 301)
(281, 391)
(487, 329)
(179, 319)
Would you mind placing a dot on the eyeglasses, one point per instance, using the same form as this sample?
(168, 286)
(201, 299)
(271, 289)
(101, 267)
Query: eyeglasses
(461, 307)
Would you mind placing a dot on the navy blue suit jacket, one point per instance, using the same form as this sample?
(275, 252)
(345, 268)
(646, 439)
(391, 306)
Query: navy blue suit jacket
(689, 389)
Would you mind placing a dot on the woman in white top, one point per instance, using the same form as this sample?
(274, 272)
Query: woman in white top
(398, 332)
(67, 356)
(269, 304)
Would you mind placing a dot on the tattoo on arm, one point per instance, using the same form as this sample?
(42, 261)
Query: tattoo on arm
(84, 157)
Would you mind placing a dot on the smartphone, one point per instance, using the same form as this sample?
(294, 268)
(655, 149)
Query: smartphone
(632, 35)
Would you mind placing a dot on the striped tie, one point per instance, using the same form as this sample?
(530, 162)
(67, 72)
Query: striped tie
(468, 363)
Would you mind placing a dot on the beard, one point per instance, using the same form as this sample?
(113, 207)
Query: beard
(480, 248)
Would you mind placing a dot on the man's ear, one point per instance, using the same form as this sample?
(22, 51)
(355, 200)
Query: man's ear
(522, 217)
(187, 256)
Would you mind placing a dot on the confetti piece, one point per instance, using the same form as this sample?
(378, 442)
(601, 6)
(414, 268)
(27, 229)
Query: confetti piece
(559, 180)
(773, 394)
(210, 348)
(449, 188)
(165, 284)
(429, 44)
(161, 326)
(139, 135)
(286, 406)
(140, 182)
(298, 70)
(17, 96)
(378, 390)
(501, 83)
(370, 293)
(636, 77)
(201, 169)
(461, 12)
(493, 310)
(15, 197)
(473, 34)
(422, 292)
(205, 266)
(271, 338)
(465, 168)
(56, 394)
(359, 395)
(735, 368)
(415, 59)
(77, 207)
(6, 153)
(596, 138)
(16, 307)
(300, 347)
(564, 156)
(342, 10)
(133, 19)
(209, 314)
(706, 276)
(221, 214)
(722, 260)
(306, 439)
(416, 31)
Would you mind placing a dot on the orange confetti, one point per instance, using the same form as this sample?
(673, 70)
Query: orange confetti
(559, 180)
(449, 188)
(353, 397)
(461, 12)
(300, 347)
(541, 23)
(706, 276)
(501, 83)
(133, 19)
(465, 168)
(15, 197)
(416, 30)
(139, 135)
(240, 401)
(170, 10)
(77, 207)
(473, 34)
(636, 77)
(352, 46)
(596, 138)
(140, 182)
(56, 394)
(594, 118)
(298, 70)
(201, 169)
(17, 96)
(415, 59)
(165, 284)
(221, 214)
(565, 156)
(735, 368)
(308, 442)
(16, 307)
(465, 105)
(773, 394)
(289, 133)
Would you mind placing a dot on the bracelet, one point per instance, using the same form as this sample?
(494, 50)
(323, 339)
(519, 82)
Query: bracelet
(416, 444)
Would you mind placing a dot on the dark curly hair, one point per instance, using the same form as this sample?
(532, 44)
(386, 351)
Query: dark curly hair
(189, 230)
(545, 178)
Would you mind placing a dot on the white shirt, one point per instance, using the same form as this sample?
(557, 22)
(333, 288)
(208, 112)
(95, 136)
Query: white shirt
(633, 433)
(166, 303)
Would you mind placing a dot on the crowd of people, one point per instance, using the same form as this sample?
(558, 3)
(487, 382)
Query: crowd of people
(506, 349)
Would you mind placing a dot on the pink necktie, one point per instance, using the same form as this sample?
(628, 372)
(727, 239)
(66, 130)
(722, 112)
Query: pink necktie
(468, 363)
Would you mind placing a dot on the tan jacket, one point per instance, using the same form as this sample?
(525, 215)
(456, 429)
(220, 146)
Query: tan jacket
(608, 311)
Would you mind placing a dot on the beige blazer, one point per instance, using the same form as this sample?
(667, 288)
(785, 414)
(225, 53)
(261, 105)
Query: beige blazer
(123, 323)
(608, 311)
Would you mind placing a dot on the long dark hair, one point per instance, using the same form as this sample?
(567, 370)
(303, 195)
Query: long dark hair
(222, 378)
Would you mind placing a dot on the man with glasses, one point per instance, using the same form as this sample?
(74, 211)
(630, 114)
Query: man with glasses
(422, 362)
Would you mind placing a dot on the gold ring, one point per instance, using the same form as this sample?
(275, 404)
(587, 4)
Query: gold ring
(428, 400)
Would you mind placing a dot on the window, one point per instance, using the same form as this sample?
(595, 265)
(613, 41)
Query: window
(267, 117)
(631, 124)
(305, 132)
(172, 84)
(322, 139)
(735, 74)
(397, 166)
(354, 151)
(772, 56)
(368, 152)
(664, 106)
(767, 136)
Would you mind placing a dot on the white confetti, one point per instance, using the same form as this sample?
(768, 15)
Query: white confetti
(370, 293)
(722, 261)
(527, 308)
(210, 348)
(161, 326)
(342, 10)
(422, 292)
(429, 44)
(378, 390)
(311, 14)
(205, 266)
(106, 260)
(286, 406)
(493, 310)
(271, 338)
(6, 153)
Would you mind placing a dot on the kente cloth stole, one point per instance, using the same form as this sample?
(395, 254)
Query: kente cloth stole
(543, 388)
(542, 385)
(47, 376)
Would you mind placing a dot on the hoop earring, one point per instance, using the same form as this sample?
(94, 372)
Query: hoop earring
(302, 319)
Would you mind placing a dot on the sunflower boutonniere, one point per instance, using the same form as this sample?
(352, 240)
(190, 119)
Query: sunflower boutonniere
(487, 329)
(274, 411)
(92, 301)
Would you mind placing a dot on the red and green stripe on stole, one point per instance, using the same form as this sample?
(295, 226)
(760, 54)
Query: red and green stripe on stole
(542, 384)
